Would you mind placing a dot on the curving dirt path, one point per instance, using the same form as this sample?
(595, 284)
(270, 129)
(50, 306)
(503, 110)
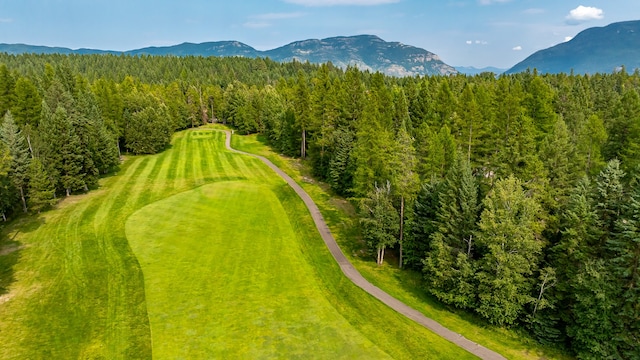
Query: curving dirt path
(350, 271)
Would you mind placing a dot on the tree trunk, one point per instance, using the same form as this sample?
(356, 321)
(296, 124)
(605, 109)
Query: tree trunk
(470, 137)
(24, 201)
(4, 217)
(68, 192)
(401, 229)
(30, 148)
(469, 246)
(542, 290)
(303, 146)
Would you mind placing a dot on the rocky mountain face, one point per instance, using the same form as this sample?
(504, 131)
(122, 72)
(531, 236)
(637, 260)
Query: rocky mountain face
(367, 52)
(594, 50)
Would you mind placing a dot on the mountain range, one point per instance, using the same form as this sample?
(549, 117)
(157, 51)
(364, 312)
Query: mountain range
(594, 50)
(367, 52)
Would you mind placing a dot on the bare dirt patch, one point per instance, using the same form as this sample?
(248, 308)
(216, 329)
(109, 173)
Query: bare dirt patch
(8, 249)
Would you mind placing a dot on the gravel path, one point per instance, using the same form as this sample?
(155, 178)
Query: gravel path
(353, 274)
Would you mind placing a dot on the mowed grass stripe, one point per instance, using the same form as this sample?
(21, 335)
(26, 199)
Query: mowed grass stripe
(234, 286)
(63, 275)
(109, 235)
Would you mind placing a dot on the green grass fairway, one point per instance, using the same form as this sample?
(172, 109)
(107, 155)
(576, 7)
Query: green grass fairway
(193, 253)
(225, 278)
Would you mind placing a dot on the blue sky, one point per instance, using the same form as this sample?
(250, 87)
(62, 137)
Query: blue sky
(463, 32)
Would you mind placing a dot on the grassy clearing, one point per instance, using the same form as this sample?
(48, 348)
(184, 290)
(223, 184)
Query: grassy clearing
(188, 275)
(404, 285)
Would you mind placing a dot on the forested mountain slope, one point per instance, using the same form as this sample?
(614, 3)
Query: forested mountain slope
(516, 196)
(594, 50)
(367, 52)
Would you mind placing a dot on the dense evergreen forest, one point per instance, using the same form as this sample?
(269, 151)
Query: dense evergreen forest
(517, 197)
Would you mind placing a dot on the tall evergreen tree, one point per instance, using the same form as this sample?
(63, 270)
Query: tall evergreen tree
(591, 138)
(449, 265)
(469, 127)
(404, 178)
(624, 248)
(19, 152)
(423, 223)
(539, 106)
(7, 84)
(41, 189)
(624, 130)
(27, 105)
(302, 110)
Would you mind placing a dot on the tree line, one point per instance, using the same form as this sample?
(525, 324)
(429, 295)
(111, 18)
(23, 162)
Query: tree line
(516, 196)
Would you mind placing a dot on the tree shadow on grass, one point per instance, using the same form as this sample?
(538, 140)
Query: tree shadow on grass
(10, 249)
(9, 255)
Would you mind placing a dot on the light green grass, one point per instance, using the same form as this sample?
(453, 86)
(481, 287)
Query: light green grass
(74, 285)
(404, 285)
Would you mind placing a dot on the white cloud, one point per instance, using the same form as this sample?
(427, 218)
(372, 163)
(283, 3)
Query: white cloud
(517, 48)
(341, 2)
(256, 24)
(584, 13)
(491, 2)
(568, 38)
(476, 42)
(6, 20)
(278, 16)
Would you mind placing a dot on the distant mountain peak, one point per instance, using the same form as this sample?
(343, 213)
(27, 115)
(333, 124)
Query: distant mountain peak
(367, 52)
(594, 50)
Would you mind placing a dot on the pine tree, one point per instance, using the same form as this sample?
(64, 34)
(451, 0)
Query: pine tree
(449, 265)
(373, 151)
(469, 129)
(6, 191)
(41, 189)
(7, 84)
(591, 138)
(341, 164)
(27, 106)
(624, 130)
(436, 151)
(325, 115)
(446, 104)
(539, 106)
(423, 223)
(558, 154)
(302, 110)
(19, 152)
(404, 178)
(624, 248)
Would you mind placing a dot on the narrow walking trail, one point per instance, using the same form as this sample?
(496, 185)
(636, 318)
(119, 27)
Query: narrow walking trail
(350, 271)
